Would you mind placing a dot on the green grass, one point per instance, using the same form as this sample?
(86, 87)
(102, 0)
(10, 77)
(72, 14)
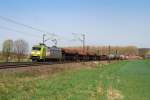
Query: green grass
(127, 80)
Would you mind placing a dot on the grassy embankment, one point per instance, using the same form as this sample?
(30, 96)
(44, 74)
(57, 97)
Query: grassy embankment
(125, 80)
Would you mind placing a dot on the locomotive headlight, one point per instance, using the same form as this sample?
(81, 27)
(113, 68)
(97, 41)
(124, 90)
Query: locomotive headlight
(32, 52)
(38, 53)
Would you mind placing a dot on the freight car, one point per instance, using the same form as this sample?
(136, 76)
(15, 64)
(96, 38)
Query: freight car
(42, 52)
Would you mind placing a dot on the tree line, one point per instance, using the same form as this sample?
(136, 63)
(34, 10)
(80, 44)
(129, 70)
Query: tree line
(14, 50)
(19, 50)
(106, 50)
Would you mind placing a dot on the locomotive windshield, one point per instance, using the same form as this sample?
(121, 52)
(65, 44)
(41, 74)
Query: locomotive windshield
(36, 48)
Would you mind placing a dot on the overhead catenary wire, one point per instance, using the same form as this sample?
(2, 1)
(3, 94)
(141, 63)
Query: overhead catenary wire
(18, 31)
(52, 36)
(27, 26)
(77, 38)
(81, 39)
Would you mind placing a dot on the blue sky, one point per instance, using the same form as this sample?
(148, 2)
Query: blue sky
(105, 22)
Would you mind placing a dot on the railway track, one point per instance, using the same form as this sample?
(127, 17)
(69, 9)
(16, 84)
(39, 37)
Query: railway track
(4, 65)
(24, 64)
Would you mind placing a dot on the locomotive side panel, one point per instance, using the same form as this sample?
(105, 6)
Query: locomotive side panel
(53, 53)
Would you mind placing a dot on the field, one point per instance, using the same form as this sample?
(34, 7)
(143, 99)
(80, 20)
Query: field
(123, 80)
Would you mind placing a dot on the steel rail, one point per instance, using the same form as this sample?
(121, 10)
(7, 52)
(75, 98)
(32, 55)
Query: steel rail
(23, 64)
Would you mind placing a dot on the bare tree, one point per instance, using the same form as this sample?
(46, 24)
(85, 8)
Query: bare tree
(20, 49)
(1, 56)
(7, 49)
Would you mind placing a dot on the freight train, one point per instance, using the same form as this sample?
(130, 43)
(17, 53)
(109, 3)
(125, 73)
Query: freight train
(42, 52)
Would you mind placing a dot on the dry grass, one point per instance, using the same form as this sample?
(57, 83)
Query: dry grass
(114, 94)
(78, 81)
(100, 90)
(51, 69)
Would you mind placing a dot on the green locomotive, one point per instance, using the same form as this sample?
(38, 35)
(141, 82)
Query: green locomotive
(42, 52)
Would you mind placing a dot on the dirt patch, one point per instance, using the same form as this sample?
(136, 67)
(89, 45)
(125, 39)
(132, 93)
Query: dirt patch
(96, 63)
(50, 69)
(114, 94)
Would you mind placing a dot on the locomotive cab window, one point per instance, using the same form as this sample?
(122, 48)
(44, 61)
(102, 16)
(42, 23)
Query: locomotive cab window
(36, 48)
